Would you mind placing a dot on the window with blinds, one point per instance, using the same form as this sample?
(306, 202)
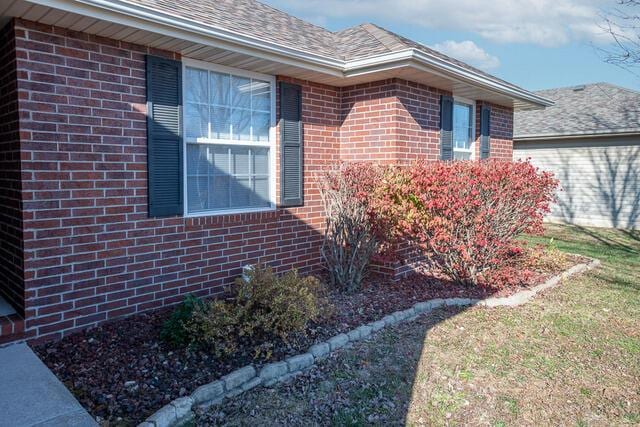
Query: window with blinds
(229, 137)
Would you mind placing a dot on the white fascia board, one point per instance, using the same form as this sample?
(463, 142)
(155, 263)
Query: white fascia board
(360, 66)
(481, 80)
(434, 65)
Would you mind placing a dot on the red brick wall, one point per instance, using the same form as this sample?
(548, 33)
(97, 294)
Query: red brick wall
(418, 121)
(399, 121)
(11, 278)
(392, 120)
(501, 131)
(92, 254)
(368, 130)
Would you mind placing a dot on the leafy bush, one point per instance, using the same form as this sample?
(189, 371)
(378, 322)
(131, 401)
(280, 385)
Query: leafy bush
(523, 265)
(466, 215)
(350, 240)
(175, 329)
(262, 307)
(508, 276)
(278, 306)
(214, 326)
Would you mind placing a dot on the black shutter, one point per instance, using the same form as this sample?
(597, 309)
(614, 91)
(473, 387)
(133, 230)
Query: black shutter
(164, 136)
(446, 127)
(485, 131)
(291, 167)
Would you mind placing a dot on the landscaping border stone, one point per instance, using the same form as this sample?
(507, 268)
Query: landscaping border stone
(180, 411)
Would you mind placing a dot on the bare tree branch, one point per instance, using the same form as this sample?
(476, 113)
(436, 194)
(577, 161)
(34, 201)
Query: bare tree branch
(623, 25)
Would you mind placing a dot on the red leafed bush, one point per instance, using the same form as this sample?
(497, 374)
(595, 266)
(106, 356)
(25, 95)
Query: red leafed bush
(466, 215)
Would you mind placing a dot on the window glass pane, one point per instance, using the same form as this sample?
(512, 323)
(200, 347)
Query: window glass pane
(196, 121)
(241, 121)
(261, 124)
(240, 191)
(220, 123)
(224, 106)
(462, 126)
(261, 92)
(240, 92)
(197, 161)
(222, 177)
(220, 88)
(220, 159)
(461, 115)
(196, 85)
(261, 161)
(198, 190)
(261, 192)
(240, 160)
(219, 192)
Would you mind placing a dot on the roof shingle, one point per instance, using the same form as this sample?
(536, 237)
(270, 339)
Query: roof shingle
(258, 20)
(582, 110)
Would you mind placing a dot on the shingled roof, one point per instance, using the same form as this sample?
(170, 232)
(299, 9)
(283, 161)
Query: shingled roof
(255, 19)
(593, 109)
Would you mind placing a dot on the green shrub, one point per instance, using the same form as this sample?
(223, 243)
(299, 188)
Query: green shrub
(214, 326)
(175, 329)
(263, 307)
(278, 306)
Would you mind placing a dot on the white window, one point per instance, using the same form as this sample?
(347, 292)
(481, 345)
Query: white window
(229, 119)
(463, 130)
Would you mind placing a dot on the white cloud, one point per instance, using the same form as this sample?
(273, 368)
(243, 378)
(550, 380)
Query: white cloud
(469, 52)
(541, 22)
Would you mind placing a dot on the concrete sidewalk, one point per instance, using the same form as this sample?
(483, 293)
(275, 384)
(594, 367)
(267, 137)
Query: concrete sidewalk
(31, 395)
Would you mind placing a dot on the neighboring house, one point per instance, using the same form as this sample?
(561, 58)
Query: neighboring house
(590, 139)
(153, 148)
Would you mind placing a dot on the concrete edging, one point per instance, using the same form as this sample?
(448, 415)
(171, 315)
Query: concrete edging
(180, 411)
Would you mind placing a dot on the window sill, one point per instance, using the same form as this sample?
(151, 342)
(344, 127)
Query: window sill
(230, 212)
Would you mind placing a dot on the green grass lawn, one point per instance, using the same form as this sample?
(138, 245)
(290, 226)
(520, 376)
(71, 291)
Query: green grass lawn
(569, 357)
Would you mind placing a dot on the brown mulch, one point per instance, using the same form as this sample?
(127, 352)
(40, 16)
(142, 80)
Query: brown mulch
(121, 371)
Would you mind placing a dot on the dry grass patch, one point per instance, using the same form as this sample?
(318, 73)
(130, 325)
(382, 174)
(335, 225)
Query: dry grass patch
(570, 357)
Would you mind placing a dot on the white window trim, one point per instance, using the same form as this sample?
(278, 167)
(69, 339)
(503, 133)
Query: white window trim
(271, 144)
(472, 146)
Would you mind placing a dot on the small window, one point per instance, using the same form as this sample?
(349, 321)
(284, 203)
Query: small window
(462, 131)
(228, 120)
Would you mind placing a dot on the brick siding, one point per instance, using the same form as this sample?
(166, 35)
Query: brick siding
(90, 251)
(501, 131)
(392, 121)
(11, 276)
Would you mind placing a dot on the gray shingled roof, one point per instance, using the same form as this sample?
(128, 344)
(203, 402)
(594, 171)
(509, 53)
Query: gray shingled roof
(597, 108)
(255, 19)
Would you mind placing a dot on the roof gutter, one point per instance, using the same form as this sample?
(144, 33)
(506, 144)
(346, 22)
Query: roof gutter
(481, 80)
(149, 19)
(420, 59)
(574, 135)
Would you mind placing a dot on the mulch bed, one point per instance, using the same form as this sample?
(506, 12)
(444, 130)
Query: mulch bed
(121, 371)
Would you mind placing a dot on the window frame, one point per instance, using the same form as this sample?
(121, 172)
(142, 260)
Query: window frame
(271, 144)
(472, 146)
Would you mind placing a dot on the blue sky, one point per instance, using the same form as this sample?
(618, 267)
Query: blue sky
(536, 44)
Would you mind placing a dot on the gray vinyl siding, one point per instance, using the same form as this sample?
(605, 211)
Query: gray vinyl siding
(600, 178)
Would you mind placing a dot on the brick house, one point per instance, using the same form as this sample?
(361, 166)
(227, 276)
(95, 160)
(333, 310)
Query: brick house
(152, 148)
